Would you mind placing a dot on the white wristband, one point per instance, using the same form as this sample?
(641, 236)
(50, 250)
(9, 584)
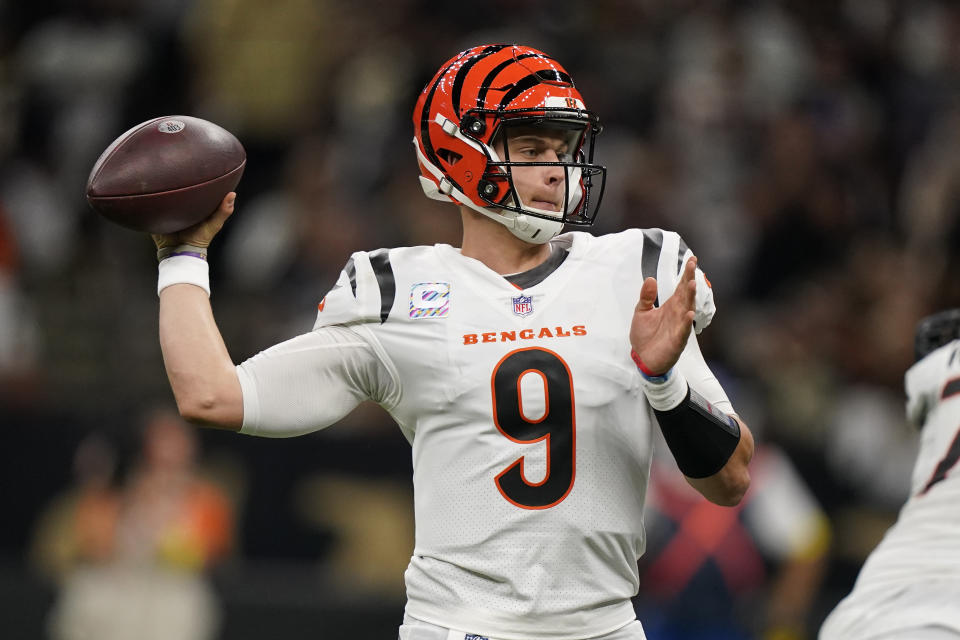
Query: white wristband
(667, 395)
(183, 270)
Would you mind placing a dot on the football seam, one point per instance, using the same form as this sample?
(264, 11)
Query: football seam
(103, 164)
(155, 193)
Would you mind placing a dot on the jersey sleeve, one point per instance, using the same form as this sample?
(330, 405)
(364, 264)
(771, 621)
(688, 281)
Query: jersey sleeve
(663, 256)
(363, 293)
(699, 376)
(311, 381)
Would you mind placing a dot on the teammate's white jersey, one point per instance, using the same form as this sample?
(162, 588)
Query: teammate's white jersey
(912, 578)
(531, 434)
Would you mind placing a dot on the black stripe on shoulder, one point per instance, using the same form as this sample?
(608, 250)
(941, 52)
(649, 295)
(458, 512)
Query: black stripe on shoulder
(380, 261)
(952, 388)
(650, 258)
(683, 250)
(351, 270)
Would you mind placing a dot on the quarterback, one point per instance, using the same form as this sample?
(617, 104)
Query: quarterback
(527, 368)
(909, 587)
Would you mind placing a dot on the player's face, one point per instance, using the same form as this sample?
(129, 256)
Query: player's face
(540, 187)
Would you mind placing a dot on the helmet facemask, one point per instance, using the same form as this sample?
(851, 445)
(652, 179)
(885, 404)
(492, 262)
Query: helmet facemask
(583, 182)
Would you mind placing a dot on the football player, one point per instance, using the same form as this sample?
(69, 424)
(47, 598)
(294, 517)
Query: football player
(527, 368)
(909, 587)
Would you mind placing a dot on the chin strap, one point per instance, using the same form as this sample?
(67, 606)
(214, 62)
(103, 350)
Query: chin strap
(528, 228)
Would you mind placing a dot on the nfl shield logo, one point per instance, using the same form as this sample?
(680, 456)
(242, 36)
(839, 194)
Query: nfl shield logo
(523, 305)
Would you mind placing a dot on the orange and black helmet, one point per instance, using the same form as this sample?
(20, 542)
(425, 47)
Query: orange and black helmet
(471, 103)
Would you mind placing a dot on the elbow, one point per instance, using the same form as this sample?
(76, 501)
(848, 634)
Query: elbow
(733, 488)
(208, 409)
(197, 408)
(726, 488)
(735, 475)
(209, 400)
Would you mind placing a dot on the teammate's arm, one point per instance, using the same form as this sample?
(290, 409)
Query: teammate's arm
(201, 372)
(712, 448)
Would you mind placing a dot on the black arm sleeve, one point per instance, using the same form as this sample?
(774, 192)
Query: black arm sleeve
(701, 437)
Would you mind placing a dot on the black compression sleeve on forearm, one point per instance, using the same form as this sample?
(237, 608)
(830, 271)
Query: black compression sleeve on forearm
(701, 437)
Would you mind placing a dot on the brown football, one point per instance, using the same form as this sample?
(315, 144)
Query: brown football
(166, 174)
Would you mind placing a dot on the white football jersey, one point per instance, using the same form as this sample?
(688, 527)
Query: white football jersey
(530, 432)
(912, 578)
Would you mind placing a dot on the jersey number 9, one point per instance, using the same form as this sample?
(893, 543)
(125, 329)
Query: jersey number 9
(557, 426)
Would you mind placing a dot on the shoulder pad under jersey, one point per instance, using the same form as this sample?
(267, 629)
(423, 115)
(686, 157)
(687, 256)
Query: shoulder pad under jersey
(933, 378)
(662, 257)
(364, 292)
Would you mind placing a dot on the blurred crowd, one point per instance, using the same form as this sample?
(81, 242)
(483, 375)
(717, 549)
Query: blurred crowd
(804, 150)
(130, 558)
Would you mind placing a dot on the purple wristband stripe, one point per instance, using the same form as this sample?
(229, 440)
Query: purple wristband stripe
(192, 254)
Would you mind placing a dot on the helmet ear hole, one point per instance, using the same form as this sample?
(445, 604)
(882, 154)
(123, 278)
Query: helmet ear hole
(449, 157)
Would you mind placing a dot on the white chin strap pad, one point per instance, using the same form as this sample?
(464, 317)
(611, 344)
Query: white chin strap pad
(529, 228)
(539, 230)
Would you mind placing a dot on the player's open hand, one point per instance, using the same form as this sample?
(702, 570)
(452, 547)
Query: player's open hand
(202, 233)
(659, 334)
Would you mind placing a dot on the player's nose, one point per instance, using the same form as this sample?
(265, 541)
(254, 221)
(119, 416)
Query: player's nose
(554, 174)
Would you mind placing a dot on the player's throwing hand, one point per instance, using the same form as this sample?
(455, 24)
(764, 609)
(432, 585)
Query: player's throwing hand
(659, 334)
(202, 233)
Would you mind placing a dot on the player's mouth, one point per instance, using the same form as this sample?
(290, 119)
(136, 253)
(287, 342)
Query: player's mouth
(549, 205)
